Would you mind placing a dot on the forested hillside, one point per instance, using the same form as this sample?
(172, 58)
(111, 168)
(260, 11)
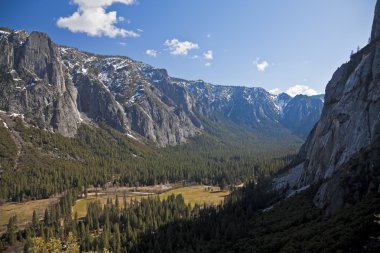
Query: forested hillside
(48, 163)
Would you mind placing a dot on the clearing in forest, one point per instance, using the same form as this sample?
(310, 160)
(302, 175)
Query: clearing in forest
(197, 194)
(24, 211)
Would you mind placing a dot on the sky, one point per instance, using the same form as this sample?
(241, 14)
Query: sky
(280, 45)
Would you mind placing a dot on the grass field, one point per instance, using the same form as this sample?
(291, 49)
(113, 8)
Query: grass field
(24, 211)
(198, 194)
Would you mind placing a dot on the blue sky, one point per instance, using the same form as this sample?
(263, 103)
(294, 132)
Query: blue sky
(265, 43)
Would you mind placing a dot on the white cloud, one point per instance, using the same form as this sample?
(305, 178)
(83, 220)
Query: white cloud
(208, 55)
(194, 57)
(275, 91)
(151, 52)
(122, 44)
(301, 89)
(91, 18)
(208, 64)
(177, 47)
(208, 35)
(261, 66)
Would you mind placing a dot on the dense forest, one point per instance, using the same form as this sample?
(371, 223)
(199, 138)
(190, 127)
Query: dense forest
(253, 219)
(49, 163)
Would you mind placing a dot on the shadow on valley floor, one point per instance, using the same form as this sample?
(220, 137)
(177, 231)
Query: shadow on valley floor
(294, 225)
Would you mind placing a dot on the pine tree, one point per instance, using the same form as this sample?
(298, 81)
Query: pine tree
(117, 239)
(46, 217)
(34, 220)
(11, 230)
(116, 201)
(105, 239)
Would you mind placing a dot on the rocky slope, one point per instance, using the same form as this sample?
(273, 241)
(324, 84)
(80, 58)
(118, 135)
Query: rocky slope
(57, 88)
(343, 150)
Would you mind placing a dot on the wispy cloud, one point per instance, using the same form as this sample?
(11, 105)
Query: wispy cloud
(122, 44)
(151, 52)
(177, 47)
(91, 18)
(208, 64)
(301, 89)
(261, 65)
(208, 55)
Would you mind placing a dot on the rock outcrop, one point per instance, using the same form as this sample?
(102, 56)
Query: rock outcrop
(343, 150)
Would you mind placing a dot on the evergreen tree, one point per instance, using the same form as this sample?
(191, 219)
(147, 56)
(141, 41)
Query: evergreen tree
(34, 220)
(46, 217)
(11, 230)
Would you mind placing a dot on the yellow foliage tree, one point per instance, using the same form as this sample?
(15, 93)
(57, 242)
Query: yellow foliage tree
(39, 245)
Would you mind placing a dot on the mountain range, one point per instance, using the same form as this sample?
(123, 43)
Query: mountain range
(58, 88)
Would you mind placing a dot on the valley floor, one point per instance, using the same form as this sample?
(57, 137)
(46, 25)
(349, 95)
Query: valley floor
(195, 194)
(24, 211)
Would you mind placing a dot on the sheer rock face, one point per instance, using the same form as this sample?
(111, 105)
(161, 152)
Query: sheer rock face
(53, 86)
(343, 150)
(376, 23)
(34, 82)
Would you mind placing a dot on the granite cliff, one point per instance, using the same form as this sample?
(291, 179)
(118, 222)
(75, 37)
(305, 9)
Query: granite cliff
(342, 152)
